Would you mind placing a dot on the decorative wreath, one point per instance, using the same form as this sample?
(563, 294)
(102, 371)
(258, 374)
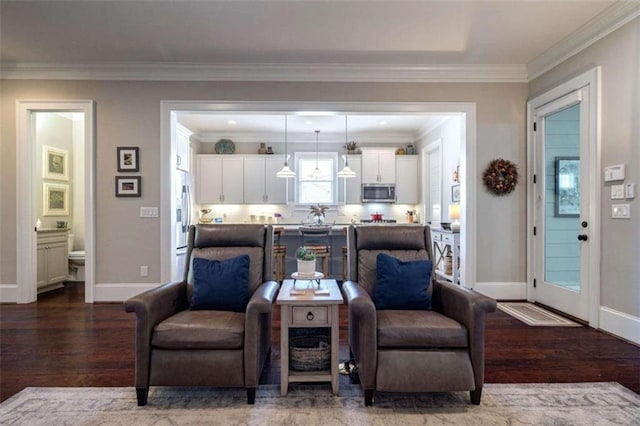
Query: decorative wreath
(501, 176)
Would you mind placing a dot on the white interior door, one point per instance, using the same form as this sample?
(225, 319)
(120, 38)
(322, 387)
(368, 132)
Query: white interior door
(562, 204)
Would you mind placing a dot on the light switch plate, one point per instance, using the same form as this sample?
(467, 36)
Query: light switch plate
(629, 190)
(617, 192)
(621, 211)
(148, 212)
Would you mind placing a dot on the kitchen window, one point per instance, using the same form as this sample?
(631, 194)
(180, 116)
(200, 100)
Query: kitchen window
(312, 188)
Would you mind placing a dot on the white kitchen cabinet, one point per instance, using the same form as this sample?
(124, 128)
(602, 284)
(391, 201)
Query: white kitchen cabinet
(378, 165)
(220, 179)
(353, 186)
(407, 179)
(183, 148)
(261, 185)
(52, 259)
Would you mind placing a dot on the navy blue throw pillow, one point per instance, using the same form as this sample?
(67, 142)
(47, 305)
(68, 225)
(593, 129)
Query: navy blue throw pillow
(402, 285)
(221, 285)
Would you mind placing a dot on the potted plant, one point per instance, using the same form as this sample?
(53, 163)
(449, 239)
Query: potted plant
(306, 261)
(351, 147)
(317, 214)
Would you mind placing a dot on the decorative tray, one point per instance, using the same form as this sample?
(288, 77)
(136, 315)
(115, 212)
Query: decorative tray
(225, 146)
(304, 276)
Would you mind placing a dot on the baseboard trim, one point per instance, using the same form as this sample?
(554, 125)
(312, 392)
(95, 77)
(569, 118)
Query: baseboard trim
(8, 293)
(503, 290)
(120, 292)
(620, 324)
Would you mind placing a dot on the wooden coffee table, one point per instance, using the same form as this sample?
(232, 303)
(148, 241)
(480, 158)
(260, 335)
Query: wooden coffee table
(306, 309)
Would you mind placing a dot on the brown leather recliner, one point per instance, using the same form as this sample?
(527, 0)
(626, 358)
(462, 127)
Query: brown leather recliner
(176, 346)
(412, 350)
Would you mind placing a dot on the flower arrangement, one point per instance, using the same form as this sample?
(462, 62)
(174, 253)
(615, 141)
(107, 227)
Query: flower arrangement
(303, 253)
(318, 210)
(501, 176)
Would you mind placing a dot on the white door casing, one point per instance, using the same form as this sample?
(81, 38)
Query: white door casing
(467, 159)
(26, 214)
(584, 91)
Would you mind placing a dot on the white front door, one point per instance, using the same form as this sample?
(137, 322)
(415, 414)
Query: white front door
(564, 150)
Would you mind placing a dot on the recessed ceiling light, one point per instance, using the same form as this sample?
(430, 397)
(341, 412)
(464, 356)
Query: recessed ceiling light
(231, 122)
(308, 122)
(383, 123)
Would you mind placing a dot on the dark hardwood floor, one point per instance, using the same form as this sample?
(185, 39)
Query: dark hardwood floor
(61, 341)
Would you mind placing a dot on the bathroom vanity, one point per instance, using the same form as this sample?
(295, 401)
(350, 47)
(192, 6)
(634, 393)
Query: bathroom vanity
(53, 264)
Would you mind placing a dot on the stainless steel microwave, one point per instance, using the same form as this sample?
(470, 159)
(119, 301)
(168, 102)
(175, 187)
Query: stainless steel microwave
(378, 193)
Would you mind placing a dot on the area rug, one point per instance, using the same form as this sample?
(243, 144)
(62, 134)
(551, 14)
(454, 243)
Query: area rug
(534, 315)
(313, 404)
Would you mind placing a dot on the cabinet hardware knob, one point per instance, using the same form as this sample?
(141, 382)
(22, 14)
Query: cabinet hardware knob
(583, 237)
(310, 316)
(584, 224)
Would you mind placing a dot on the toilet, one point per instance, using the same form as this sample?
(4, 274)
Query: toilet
(76, 262)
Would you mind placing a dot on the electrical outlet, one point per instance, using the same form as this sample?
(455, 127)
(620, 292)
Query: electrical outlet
(144, 271)
(148, 212)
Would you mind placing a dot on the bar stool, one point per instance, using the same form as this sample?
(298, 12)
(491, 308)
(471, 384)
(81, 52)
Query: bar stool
(317, 239)
(344, 257)
(280, 254)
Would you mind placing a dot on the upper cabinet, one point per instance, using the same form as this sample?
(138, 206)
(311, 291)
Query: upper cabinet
(183, 147)
(406, 179)
(261, 185)
(220, 179)
(378, 165)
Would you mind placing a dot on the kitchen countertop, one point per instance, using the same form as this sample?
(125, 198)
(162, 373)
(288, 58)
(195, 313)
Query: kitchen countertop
(52, 229)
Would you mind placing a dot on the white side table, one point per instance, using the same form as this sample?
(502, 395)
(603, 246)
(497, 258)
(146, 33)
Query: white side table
(309, 310)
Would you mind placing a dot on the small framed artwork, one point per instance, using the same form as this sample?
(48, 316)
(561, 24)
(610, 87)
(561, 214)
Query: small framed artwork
(55, 199)
(55, 163)
(455, 194)
(128, 186)
(128, 159)
(567, 191)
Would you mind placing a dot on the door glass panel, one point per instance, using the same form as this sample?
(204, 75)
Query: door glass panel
(562, 198)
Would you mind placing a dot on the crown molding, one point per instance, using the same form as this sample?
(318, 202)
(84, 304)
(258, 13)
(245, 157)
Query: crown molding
(267, 72)
(602, 25)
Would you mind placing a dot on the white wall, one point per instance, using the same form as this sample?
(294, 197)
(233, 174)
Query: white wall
(128, 114)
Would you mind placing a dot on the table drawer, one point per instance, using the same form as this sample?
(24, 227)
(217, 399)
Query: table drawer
(448, 238)
(310, 315)
(435, 236)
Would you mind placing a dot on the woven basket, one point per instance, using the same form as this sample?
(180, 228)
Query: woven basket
(309, 353)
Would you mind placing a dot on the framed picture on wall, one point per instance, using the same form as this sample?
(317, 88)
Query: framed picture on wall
(128, 186)
(455, 194)
(567, 191)
(55, 199)
(128, 159)
(55, 163)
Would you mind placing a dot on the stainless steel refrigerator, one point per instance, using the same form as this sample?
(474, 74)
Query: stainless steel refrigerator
(184, 218)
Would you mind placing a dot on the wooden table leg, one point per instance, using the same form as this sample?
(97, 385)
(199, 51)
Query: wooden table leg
(335, 326)
(284, 349)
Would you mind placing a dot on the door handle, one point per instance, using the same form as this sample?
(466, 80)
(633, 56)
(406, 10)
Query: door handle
(583, 237)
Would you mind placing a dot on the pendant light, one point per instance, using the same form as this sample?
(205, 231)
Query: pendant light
(346, 172)
(286, 172)
(316, 173)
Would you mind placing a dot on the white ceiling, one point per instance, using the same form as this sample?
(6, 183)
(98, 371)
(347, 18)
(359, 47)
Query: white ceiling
(301, 127)
(365, 33)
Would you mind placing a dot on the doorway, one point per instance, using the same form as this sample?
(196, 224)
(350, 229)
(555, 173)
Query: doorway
(33, 205)
(466, 112)
(565, 199)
